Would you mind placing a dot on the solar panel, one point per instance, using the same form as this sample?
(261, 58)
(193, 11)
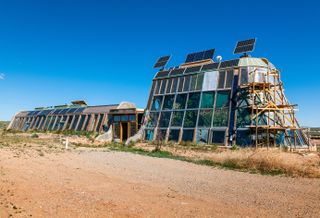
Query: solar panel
(177, 71)
(244, 46)
(162, 61)
(198, 56)
(231, 63)
(192, 69)
(209, 67)
(162, 73)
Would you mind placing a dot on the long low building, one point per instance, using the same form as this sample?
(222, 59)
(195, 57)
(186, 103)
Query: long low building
(124, 118)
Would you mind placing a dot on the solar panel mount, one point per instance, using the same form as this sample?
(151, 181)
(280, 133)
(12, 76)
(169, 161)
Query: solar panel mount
(162, 61)
(198, 56)
(245, 46)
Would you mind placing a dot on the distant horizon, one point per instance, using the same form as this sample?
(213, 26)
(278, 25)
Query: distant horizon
(53, 52)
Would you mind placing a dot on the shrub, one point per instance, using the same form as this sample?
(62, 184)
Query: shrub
(34, 135)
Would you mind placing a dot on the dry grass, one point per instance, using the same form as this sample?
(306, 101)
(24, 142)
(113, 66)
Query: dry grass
(264, 161)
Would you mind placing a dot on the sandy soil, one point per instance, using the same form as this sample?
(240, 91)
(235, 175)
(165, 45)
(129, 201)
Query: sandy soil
(100, 183)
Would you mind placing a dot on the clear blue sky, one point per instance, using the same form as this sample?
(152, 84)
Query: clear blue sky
(52, 52)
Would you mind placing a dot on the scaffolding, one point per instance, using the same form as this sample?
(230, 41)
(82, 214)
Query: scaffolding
(272, 117)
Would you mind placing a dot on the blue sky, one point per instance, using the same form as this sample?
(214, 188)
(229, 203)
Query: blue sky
(52, 52)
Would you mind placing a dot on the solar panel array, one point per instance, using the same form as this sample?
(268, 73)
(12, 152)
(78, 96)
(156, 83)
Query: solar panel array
(244, 46)
(198, 56)
(162, 61)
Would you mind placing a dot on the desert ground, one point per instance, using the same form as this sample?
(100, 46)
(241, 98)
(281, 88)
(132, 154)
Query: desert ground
(38, 180)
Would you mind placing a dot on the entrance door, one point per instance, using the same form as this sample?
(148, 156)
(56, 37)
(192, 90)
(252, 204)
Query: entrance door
(124, 127)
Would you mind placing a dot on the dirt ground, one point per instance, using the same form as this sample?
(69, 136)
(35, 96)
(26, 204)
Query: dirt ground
(53, 182)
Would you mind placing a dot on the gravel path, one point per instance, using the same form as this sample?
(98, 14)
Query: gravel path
(116, 184)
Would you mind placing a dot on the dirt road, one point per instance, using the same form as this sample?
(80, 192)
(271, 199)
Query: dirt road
(114, 184)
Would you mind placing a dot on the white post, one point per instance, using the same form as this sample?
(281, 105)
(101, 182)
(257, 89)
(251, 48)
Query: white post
(67, 143)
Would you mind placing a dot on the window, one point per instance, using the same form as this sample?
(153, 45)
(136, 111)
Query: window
(149, 135)
(229, 78)
(164, 119)
(132, 117)
(83, 117)
(205, 118)
(243, 117)
(174, 85)
(156, 105)
(222, 75)
(163, 86)
(116, 118)
(193, 82)
(223, 99)
(243, 138)
(116, 132)
(187, 135)
(190, 118)
(186, 83)
(133, 129)
(220, 117)
(244, 76)
(161, 134)
(207, 99)
(181, 100)
(218, 137)
(174, 135)
(194, 100)
(168, 102)
(153, 119)
(199, 81)
(157, 88)
(177, 118)
(202, 136)
(210, 81)
(75, 122)
(169, 85)
(124, 118)
(181, 81)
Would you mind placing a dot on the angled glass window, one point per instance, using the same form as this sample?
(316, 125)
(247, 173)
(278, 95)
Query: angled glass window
(187, 135)
(222, 76)
(205, 118)
(181, 81)
(164, 119)
(174, 135)
(193, 82)
(223, 99)
(243, 117)
(207, 99)
(174, 85)
(202, 136)
(161, 134)
(229, 79)
(163, 86)
(168, 102)
(157, 88)
(169, 85)
(218, 137)
(243, 138)
(157, 102)
(149, 135)
(153, 119)
(210, 81)
(75, 122)
(220, 117)
(177, 118)
(181, 100)
(186, 83)
(193, 100)
(199, 81)
(190, 118)
(79, 128)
